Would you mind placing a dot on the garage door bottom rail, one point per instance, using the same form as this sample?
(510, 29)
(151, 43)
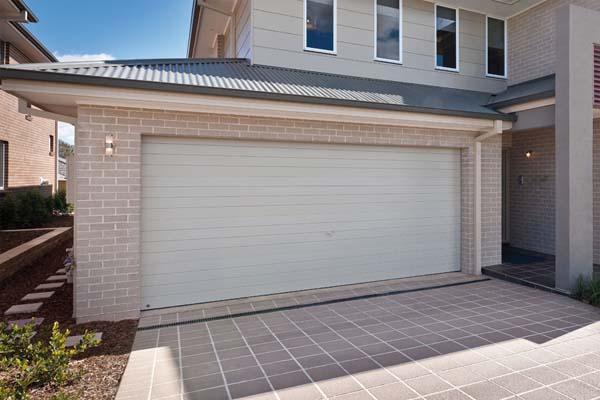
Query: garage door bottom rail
(303, 299)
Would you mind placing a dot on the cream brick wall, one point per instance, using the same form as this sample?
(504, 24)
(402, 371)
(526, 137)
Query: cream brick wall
(532, 216)
(532, 40)
(107, 222)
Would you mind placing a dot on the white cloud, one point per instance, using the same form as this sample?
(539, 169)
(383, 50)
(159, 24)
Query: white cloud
(83, 57)
(66, 132)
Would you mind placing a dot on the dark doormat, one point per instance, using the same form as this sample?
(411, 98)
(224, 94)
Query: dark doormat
(518, 258)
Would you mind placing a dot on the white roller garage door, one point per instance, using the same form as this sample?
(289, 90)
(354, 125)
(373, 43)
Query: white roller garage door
(228, 219)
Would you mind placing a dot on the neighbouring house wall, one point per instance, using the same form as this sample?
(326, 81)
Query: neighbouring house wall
(29, 156)
(238, 38)
(532, 40)
(532, 207)
(107, 221)
(278, 39)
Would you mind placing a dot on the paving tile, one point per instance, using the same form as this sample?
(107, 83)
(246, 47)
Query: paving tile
(209, 394)
(543, 394)
(460, 376)
(37, 296)
(592, 379)
(374, 378)
(453, 394)
(46, 286)
(56, 278)
(74, 340)
(304, 392)
(517, 383)
(203, 382)
(280, 367)
(23, 308)
(570, 368)
(394, 391)
(360, 395)
(245, 374)
(427, 384)
(338, 386)
(248, 389)
(315, 361)
(289, 380)
(544, 375)
(486, 391)
(22, 322)
(576, 389)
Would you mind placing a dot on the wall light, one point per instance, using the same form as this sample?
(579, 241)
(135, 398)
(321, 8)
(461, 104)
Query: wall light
(109, 145)
(529, 153)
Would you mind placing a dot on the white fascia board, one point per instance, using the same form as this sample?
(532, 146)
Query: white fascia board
(50, 94)
(530, 105)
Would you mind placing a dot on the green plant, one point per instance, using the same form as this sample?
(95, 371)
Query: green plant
(37, 363)
(587, 290)
(8, 212)
(60, 202)
(25, 210)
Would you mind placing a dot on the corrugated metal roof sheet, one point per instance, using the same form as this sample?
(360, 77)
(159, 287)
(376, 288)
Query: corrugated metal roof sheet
(535, 89)
(237, 77)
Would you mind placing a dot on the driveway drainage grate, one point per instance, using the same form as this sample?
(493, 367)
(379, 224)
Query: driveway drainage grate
(319, 303)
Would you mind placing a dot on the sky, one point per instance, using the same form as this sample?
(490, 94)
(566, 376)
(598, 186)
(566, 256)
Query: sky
(76, 30)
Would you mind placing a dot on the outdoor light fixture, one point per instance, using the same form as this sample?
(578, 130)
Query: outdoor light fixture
(529, 153)
(109, 145)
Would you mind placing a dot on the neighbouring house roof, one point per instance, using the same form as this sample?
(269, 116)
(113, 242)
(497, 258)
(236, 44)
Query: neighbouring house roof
(536, 89)
(239, 78)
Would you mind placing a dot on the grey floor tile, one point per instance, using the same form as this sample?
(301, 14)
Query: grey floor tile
(394, 391)
(453, 394)
(427, 384)
(544, 375)
(543, 394)
(576, 389)
(517, 383)
(486, 391)
(251, 388)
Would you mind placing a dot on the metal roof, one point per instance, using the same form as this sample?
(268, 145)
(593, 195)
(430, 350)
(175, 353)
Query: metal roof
(239, 78)
(536, 89)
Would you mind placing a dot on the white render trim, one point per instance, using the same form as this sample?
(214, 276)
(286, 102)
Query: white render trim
(70, 95)
(313, 49)
(400, 34)
(530, 105)
(435, 30)
(487, 46)
(477, 252)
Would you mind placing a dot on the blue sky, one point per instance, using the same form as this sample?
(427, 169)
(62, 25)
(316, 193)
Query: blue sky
(111, 29)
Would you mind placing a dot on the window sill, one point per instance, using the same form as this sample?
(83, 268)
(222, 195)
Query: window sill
(496, 76)
(386, 61)
(455, 70)
(320, 51)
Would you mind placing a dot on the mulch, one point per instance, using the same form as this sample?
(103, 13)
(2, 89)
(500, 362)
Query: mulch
(101, 367)
(9, 240)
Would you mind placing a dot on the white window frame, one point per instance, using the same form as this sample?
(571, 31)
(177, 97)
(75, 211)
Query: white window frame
(487, 46)
(435, 7)
(400, 33)
(315, 50)
(3, 164)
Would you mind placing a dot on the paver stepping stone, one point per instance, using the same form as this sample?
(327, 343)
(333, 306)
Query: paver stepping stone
(45, 286)
(23, 308)
(56, 278)
(62, 271)
(37, 296)
(74, 340)
(22, 322)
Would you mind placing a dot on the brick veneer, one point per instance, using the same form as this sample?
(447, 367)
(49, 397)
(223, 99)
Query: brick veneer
(532, 206)
(28, 149)
(107, 231)
(532, 39)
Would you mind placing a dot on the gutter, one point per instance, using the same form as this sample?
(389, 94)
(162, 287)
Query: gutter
(12, 73)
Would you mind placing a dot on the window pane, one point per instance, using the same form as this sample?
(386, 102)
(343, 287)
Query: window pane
(388, 29)
(446, 37)
(319, 24)
(496, 47)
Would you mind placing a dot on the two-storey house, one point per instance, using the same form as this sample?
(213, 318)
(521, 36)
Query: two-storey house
(317, 143)
(28, 153)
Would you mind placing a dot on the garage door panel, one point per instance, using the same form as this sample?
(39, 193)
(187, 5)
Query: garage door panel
(228, 219)
(173, 283)
(220, 230)
(267, 240)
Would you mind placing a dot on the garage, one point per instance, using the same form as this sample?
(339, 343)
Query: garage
(224, 219)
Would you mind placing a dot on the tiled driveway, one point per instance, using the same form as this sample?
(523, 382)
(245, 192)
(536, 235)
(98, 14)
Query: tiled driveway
(485, 340)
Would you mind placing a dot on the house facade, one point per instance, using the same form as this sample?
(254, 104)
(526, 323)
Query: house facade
(318, 143)
(28, 153)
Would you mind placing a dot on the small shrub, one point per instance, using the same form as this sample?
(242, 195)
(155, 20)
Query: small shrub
(8, 212)
(25, 210)
(36, 364)
(60, 202)
(587, 290)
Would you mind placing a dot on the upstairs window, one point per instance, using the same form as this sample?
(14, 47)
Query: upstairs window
(320, 25)
(51, 145)
(388, 23)
(446, 44)
(496, 47)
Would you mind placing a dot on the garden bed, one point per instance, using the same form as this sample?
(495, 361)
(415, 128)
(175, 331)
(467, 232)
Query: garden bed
(102, 366)
(11, 239)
